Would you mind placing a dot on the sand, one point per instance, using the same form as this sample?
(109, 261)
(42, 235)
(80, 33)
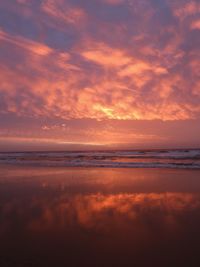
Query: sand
(99, 217)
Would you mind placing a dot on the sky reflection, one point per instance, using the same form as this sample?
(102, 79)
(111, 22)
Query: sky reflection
(57, 218)
(100, 212)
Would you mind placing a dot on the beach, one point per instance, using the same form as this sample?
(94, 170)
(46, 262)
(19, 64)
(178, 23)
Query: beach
(76, 216)
(99, 133)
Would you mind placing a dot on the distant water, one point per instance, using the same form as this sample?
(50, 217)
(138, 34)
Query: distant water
(187, 159)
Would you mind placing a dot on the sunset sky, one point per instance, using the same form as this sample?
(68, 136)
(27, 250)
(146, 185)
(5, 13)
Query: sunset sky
(99, 74)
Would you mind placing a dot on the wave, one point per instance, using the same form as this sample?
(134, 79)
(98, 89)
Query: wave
(187, 159)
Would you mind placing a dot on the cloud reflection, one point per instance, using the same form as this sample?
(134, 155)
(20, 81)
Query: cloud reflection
(101, 213)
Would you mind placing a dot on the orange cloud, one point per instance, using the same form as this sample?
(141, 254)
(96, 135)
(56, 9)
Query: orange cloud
(106, 96)
(106, 56)
(195, 25)
(190, 8)
(31, 46)
(61, 11)
(131, 76)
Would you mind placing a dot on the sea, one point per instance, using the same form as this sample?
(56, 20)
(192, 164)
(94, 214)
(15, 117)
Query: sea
(167, 158)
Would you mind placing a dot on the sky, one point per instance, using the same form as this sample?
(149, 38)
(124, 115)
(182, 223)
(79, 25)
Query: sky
(98, 74)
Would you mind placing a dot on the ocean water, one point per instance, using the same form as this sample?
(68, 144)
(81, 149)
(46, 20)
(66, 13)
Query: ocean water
(179, 158)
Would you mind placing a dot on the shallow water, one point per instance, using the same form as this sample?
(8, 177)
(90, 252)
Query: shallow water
(99, 217)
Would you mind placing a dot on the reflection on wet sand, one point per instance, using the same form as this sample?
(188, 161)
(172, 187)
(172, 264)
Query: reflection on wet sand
(99, 212)
(42, 224)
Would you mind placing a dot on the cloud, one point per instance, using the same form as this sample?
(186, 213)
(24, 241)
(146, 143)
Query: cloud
(29, 45)
(54, 85)
(189, 8)
(106, 56)
(195, 25)
(110, 60)
(61, 11)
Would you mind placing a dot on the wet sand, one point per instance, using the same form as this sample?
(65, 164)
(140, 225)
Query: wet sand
(99, 217)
